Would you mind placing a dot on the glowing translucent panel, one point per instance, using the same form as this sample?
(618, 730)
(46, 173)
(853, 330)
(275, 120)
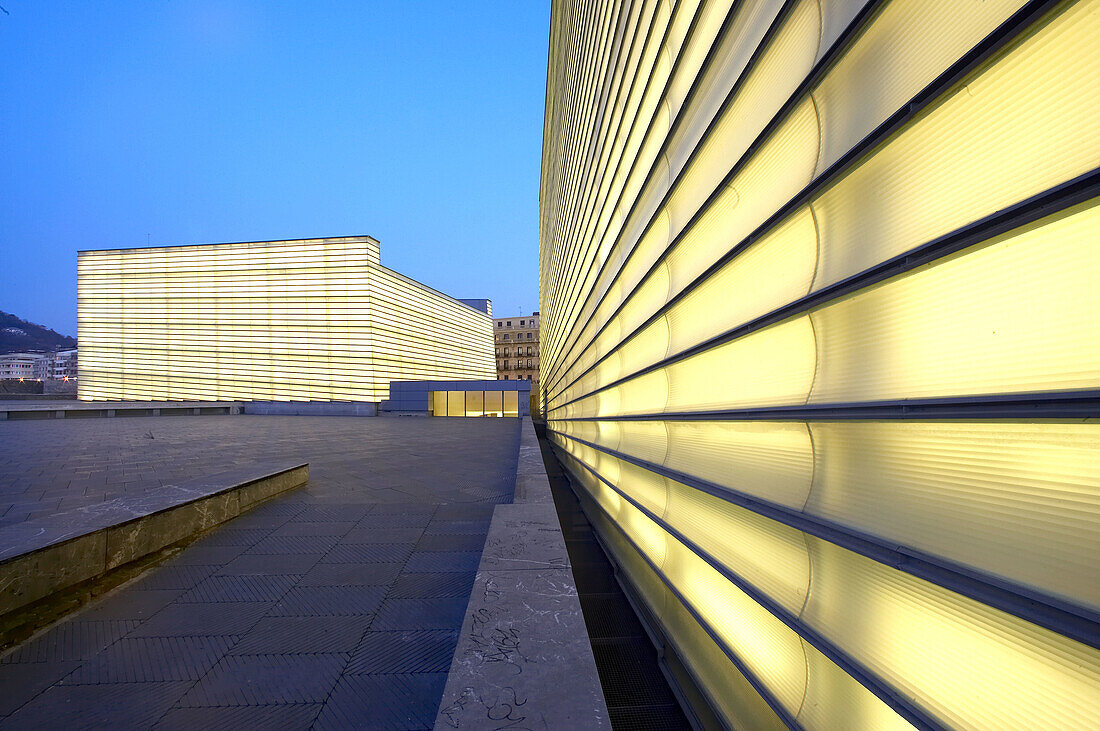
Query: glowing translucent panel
(475, 403)
(832, 590)
(847, 243)
(690, 216)
(511, 403)
(283, 320)
(971, 324)
(972, 493)
(1016, 315)
(1024, 123)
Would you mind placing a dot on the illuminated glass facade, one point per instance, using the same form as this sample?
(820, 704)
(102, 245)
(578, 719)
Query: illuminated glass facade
(306, 320)
(818, 333)
(473, 403)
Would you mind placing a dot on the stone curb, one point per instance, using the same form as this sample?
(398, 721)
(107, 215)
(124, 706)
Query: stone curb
(42, 557)
(523, 658)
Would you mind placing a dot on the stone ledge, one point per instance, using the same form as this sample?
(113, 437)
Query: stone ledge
(532, 485)
(86, 409)
(523, 658)
(41, 557)
(311, 408)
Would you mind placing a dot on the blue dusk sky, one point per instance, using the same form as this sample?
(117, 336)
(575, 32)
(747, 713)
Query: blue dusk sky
(166, 122)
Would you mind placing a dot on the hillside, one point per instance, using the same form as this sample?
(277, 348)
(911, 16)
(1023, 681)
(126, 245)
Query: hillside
(17, 336)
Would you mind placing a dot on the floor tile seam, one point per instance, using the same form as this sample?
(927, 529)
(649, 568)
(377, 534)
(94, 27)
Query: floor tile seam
(213, 665)
(43, 690)
(202, 677)
(239, 705)
(389, 587)
(287, 654)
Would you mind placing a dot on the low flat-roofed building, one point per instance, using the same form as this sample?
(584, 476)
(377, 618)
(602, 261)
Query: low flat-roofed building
(19, 365)
(299, 320)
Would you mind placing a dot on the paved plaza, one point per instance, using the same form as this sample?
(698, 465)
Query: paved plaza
(335, 605)
(56, 465)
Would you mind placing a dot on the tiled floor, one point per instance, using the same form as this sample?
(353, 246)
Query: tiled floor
(53, 465)
(336, 605)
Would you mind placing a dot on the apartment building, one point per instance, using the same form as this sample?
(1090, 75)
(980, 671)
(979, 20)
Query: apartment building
(59, 366)
(819, 305)
(516, 340)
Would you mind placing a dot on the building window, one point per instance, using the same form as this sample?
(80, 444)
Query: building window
(505, 336)
(500, 324)
(509, 323)
(528, 336)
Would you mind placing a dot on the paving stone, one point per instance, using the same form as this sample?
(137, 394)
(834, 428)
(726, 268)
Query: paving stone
(395, 520)
(130, 604)
(21, 682)
(313, 529)
(71, 640)
(152, 659)
(252, 680)
(333, 513)
(402, 508)
(253, 519)
(382, 535)
(246, 588)
(480, 527)
(205, 555)
(425, 651)
(175, 577)
(121, 705)
(294, 544)
(320, 601)
(287, 635)
(420, 613)
(440, 561)
(383, 702)
(368, 553)
(224, 618)
(270, 564)
(234, 536)
(448, 542)
(211, 718)
(277, 509)
(464, 512)
(351, 574)
(446, 584)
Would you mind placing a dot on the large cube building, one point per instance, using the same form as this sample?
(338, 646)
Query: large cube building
(819, 306)
(303, 320)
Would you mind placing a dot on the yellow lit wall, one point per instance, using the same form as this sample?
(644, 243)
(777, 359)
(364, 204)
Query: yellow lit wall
(819, 304)
(306, 320)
